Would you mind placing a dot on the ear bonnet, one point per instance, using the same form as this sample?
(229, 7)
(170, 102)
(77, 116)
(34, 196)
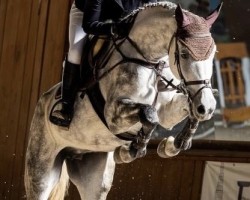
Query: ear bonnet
(194, 32)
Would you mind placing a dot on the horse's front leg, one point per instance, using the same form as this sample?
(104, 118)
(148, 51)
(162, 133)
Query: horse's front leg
(171, 113)
(127, 113)
(171, 146)
(149, 120)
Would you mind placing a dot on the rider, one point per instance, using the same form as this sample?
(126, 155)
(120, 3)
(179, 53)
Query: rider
(100, 18)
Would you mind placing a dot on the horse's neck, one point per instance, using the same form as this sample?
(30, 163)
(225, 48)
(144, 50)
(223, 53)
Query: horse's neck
(153, 30)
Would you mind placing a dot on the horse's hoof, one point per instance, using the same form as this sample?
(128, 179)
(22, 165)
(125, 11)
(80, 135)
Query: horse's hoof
(122, 155)
(166, 148)
(141, 153)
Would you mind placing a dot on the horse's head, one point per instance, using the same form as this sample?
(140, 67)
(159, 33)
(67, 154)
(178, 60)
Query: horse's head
(194, 50)
(190, 46)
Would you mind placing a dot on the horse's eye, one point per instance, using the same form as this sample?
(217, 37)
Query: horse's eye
(185, 55)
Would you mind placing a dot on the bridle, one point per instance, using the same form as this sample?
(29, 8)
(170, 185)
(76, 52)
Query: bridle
(157, 67)
(98, 100)
(183, 86)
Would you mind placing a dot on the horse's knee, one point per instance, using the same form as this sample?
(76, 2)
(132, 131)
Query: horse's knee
(148, 115)
(121, 115)
(104, 191)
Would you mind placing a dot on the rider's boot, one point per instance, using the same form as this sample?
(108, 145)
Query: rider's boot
(63, 115)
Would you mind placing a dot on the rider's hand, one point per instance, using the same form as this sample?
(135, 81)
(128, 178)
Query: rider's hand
(121, 29)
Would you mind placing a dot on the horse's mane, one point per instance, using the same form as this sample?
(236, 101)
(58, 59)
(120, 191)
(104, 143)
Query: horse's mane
(164, 4)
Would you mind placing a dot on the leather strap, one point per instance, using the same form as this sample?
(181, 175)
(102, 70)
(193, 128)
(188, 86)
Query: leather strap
(97, 101)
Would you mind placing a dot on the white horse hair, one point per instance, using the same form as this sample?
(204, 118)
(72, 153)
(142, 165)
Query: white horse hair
(84, 152)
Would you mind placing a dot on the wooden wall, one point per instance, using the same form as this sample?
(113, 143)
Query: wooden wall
(236, 14)
(154, 178)
(32, 35)
(33, 39)
(177, 178)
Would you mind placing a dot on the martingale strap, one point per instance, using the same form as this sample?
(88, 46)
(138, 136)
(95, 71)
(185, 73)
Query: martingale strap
(96, 97)
(97, 101)
(93, 90)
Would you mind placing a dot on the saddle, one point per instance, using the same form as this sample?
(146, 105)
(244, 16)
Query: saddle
(95, 56)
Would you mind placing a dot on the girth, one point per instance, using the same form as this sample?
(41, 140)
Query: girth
(98, 103)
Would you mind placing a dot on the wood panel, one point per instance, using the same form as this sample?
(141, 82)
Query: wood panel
(53, 52)
(158, 179)
(12, 95)
(235, 50)
(153, 178)
(230, 59)
(27, 26)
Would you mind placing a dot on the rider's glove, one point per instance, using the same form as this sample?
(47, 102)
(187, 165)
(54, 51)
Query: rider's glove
(121, 29)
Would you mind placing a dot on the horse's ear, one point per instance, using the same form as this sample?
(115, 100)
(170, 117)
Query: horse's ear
(214, 15)
(181, 17)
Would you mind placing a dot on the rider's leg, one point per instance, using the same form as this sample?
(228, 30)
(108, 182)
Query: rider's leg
(76, 35)
(70, 84)
(71, 73)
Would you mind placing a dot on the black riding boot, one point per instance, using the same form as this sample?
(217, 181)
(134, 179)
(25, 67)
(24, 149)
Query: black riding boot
(63, 115)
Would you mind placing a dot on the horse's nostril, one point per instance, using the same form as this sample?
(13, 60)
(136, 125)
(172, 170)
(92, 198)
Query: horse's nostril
(201, 109)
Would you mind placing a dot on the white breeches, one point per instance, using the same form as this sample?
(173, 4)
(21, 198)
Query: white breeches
(76, 35)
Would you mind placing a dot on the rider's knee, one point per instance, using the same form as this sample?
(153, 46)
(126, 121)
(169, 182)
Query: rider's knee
(74, 56)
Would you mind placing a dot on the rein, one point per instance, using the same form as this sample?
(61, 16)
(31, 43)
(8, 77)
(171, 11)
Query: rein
(126, 59)
(95, 95)
(157, 67)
